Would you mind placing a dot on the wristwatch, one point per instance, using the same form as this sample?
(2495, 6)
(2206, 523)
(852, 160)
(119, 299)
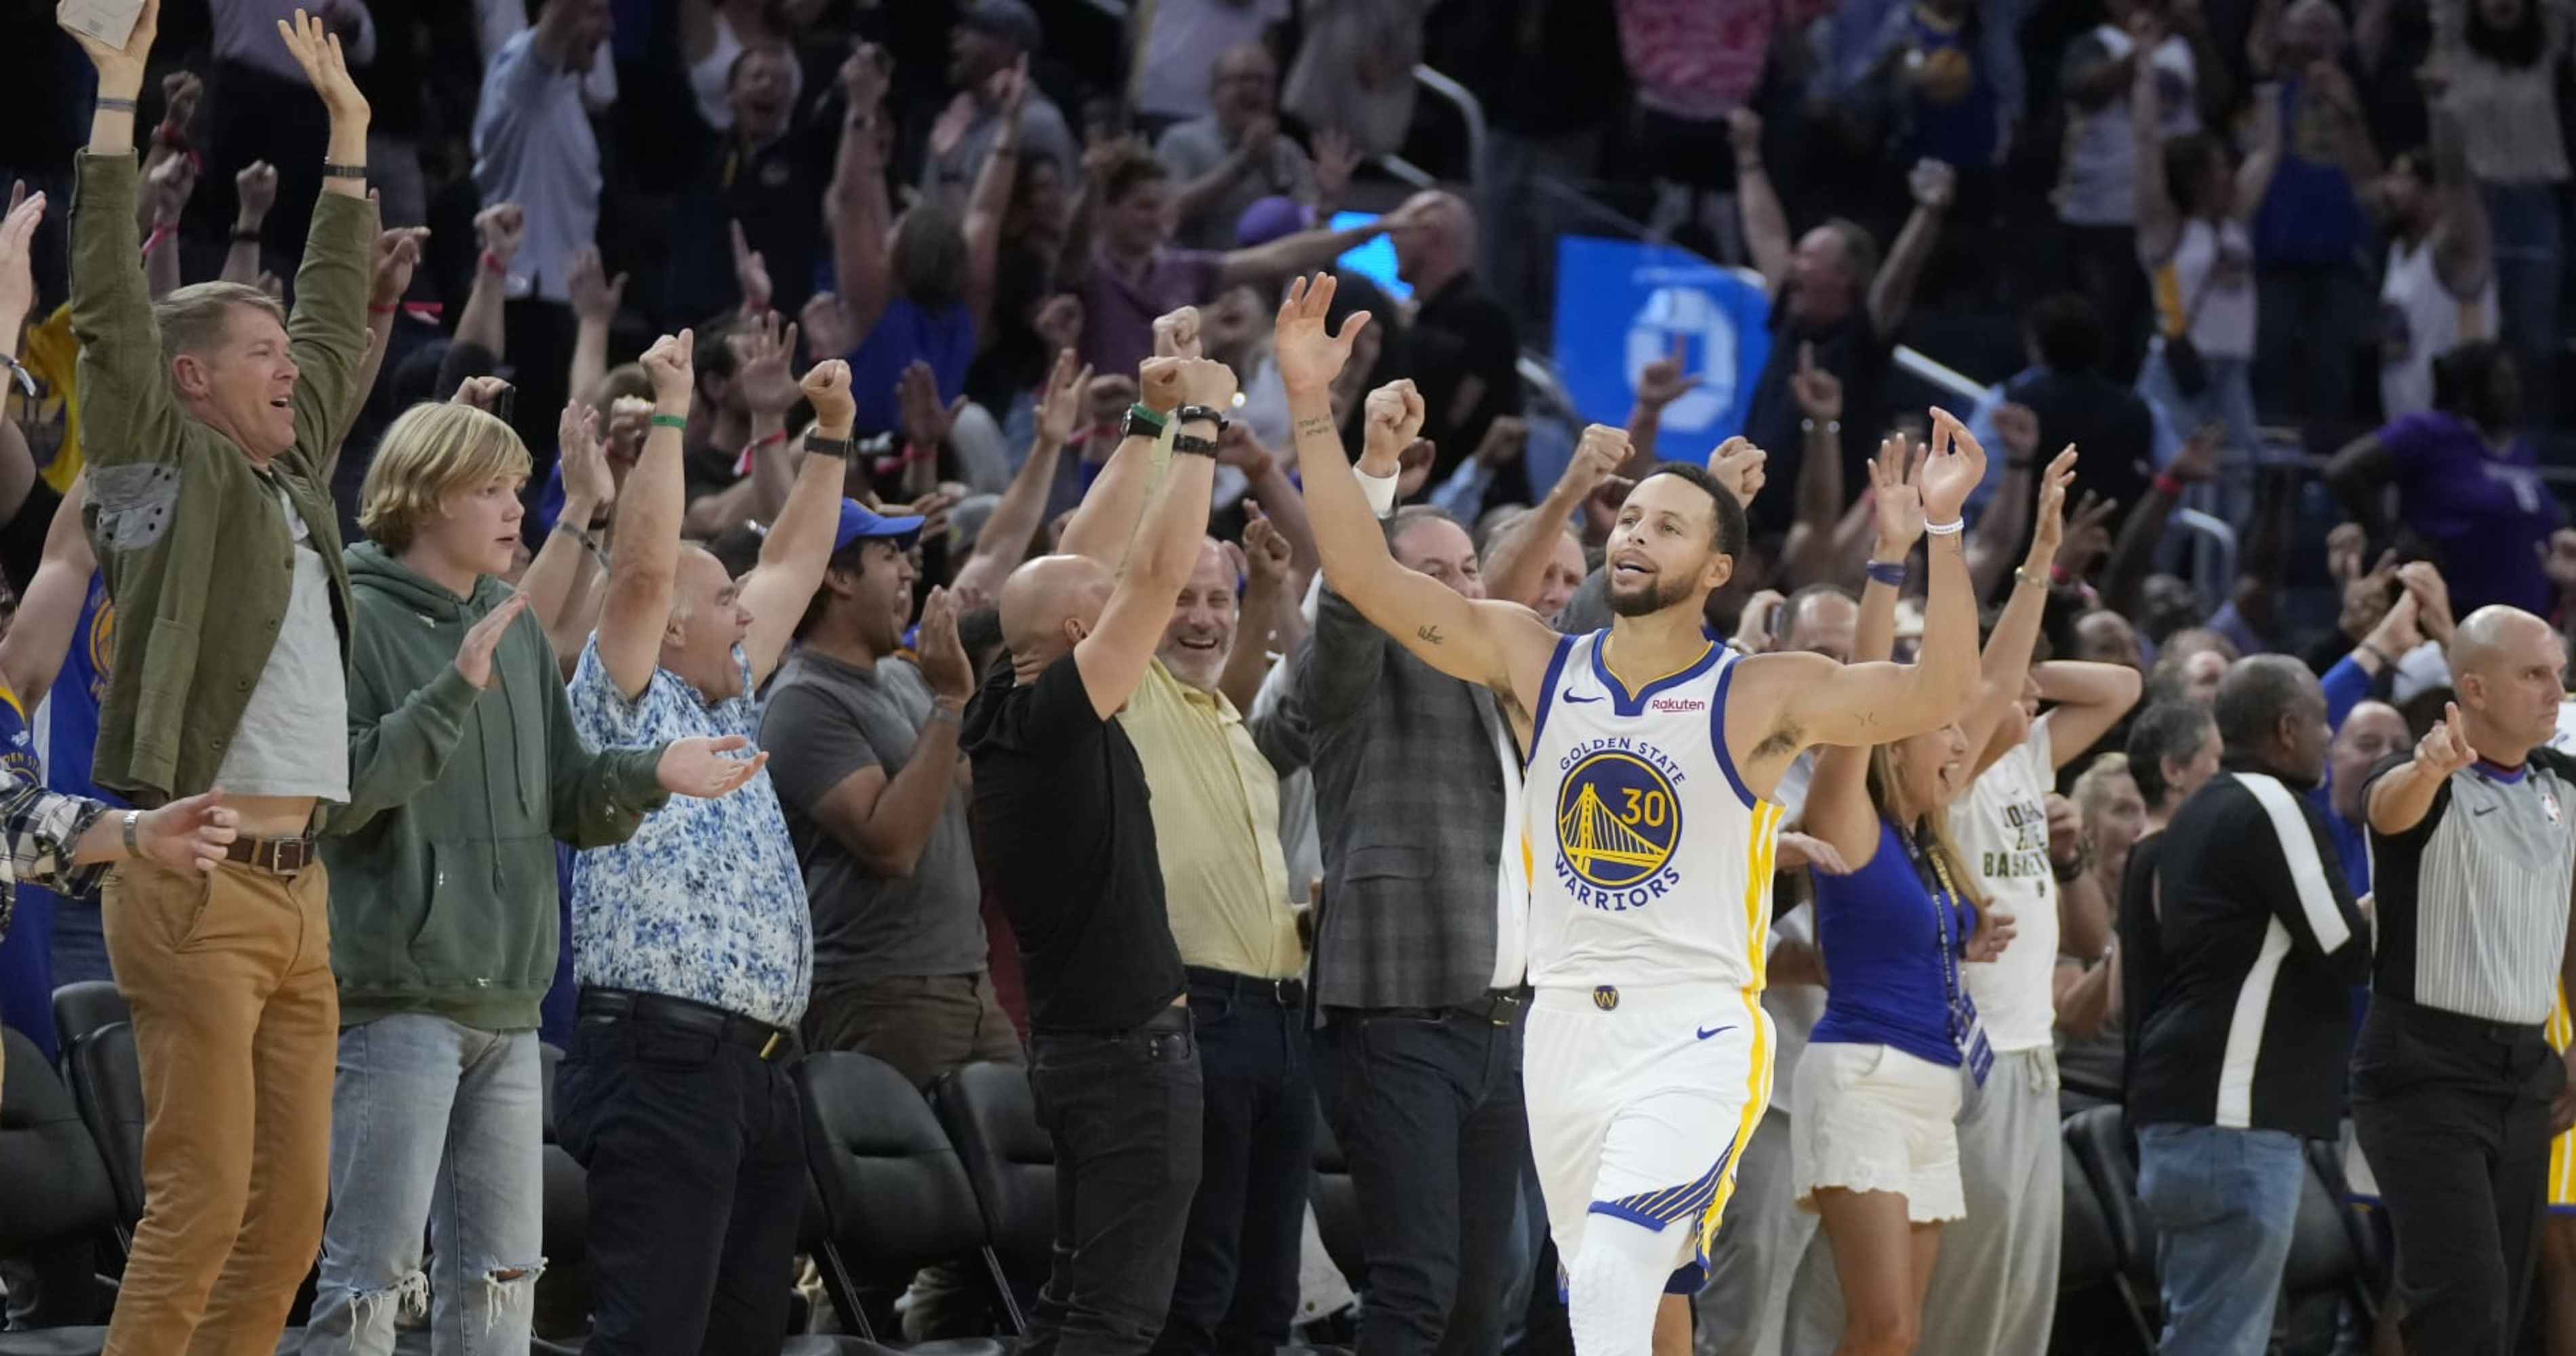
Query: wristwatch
(1210, 413)
(1141, 423)
(133, 833)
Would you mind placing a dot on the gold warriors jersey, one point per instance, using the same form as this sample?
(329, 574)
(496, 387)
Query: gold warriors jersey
(1648, 860)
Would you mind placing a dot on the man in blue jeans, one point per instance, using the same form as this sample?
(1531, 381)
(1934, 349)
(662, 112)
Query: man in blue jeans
(2240, 1052)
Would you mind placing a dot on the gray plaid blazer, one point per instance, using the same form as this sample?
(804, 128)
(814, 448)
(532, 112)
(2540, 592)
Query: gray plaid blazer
(1409, 806)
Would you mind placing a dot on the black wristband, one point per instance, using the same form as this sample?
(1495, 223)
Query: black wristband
(829, 447)
(1186, 413)
(243, 237)
(332, 169)
(600, 519)
(113, 104)
(1191, 444)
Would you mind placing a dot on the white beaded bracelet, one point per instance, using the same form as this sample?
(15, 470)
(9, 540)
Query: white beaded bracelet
(1951, 528)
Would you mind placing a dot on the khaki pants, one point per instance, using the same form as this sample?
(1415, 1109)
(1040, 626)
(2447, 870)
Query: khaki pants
(926, 1026)
(236, 1024)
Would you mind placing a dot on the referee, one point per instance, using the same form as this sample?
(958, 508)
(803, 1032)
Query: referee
(2456, 1092)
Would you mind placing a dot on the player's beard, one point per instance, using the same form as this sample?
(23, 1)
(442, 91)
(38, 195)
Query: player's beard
(1663, 592)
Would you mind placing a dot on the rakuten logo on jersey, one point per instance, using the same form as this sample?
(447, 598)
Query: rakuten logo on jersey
(1672, 705)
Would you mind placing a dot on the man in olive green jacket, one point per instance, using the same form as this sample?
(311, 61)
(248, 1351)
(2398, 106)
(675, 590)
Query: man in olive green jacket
(205, 419)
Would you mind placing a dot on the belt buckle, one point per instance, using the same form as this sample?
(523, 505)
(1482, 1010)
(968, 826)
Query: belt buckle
(769, 1048)
(289, 856)
(1279, 991)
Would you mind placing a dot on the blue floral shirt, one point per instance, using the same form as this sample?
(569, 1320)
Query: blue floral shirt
(705, 902)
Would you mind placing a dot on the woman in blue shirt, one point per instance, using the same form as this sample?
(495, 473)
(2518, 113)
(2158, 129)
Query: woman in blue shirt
(1878, 1090)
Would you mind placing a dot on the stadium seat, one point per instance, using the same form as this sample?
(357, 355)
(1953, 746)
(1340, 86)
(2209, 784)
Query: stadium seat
(1337, 1203)
(106, 1079)
(2090, 1281)
(991, 1116)
(2103, 1145)
(2323, 1270)
(55, 1206)
(82, 1008)
(896, 1197)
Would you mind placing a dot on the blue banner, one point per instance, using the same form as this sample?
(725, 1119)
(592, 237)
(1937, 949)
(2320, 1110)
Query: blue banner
(1621, 305)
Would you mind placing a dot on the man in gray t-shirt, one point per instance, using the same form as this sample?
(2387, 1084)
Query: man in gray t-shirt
(1235, 156)
(862, 746)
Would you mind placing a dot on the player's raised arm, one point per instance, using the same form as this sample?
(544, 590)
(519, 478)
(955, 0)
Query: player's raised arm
(1799, 700)
(1479, 641)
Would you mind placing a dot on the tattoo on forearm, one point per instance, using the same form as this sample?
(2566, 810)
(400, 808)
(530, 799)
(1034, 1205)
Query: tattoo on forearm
(1430, 634)
(1314, 426)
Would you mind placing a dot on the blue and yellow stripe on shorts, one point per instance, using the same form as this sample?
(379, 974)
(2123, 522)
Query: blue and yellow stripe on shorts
(1706, 1198)
(2562, 1150)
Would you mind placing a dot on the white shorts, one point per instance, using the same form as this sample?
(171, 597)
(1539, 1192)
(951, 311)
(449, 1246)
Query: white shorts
(1874, 1118)
(1640, 1101)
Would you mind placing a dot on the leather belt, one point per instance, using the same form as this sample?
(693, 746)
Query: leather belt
(1286, 993)
(1499, 1007)
(277, 856)
(1502, 1007)
(766, 1041)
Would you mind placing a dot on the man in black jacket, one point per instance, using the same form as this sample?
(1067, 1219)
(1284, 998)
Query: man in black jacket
(2238, 1053)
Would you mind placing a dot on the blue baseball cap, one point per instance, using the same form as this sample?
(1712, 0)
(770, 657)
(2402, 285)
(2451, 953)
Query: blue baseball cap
(861, 523)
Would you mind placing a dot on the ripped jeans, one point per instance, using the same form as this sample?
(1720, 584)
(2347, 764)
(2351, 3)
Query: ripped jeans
(441, 1125)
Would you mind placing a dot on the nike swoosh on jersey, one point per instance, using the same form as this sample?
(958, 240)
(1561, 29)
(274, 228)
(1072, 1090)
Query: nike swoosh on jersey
(1572, 698)
(1707, 1032)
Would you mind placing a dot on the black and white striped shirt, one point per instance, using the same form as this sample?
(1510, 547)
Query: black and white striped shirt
(2473, 900)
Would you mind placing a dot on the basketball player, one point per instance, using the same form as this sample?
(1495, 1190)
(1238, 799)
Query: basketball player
(1647, 832)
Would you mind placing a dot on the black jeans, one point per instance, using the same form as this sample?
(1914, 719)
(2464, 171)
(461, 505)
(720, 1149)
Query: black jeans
(1237, 1287)
(695, 1150)
(2454, 1115)
(1427, 1106)
(1123, 1111)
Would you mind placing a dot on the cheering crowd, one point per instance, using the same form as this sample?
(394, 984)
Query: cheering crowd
(867, 561)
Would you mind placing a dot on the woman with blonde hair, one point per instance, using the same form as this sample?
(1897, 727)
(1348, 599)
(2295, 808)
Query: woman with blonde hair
(1878, 1092)
(465, 770)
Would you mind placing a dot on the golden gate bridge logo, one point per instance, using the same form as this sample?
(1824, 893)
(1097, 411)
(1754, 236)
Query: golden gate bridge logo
(1617, 820)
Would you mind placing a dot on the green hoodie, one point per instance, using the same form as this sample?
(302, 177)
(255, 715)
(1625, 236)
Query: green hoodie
(443, 890)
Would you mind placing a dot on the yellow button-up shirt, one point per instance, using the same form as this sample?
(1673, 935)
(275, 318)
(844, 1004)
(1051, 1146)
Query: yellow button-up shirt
(1216, 824)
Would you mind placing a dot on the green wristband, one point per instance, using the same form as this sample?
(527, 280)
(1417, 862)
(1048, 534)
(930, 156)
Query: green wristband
(1147, 414)
(670, 421)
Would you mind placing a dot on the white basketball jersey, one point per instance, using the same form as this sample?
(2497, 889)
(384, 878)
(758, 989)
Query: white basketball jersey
(2419, 321)
(1648, 860)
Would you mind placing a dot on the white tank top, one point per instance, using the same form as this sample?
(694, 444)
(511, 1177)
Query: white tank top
(2419, 320)
(2210, 279)
(1648, 860)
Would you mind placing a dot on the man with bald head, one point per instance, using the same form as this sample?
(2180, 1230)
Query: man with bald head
(1419, 951)
(1465, 346)
(694, 935)
(1069, 844)
(1834, 304)
(2370, 732)
(2455, 1090)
